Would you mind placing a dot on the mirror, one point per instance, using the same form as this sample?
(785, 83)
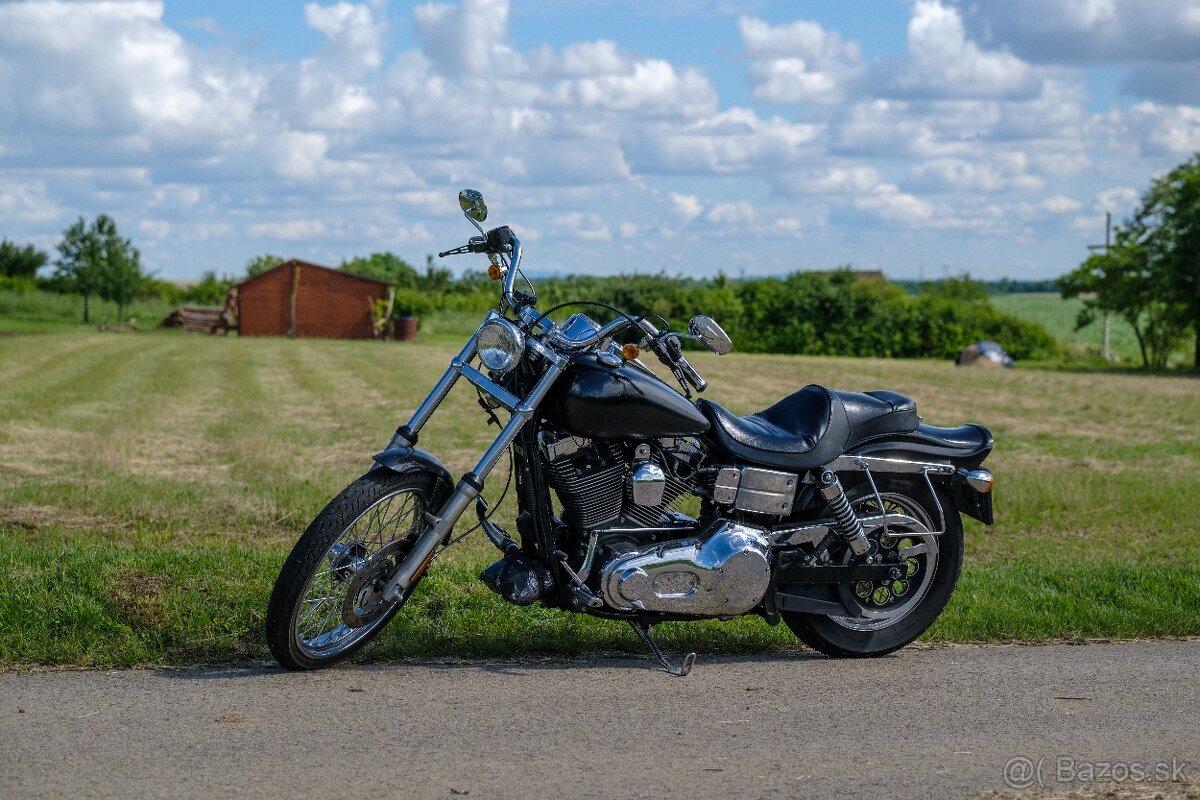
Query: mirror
(472, 204)
(710, 334)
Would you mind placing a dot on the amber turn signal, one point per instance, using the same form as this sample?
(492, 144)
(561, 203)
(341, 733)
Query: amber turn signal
(630, 351)
(494, 272)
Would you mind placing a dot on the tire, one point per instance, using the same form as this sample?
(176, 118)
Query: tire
(350, 547)
(849, 637)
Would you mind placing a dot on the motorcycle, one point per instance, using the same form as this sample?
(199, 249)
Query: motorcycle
(837, 513)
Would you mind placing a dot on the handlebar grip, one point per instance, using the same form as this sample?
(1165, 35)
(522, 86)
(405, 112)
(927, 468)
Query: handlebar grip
(693, 377)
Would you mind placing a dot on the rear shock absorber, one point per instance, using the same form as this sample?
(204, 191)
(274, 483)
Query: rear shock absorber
(845, 521)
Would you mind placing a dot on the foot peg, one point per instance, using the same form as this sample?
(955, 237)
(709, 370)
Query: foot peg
(643, 632)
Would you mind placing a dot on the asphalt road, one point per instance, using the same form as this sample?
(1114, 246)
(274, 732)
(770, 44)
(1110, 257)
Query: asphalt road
(938, 722)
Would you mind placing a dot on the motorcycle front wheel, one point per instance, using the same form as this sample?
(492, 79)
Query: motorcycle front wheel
(326, 602)
(896, 611)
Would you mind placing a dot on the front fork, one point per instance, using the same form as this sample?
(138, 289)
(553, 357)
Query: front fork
(471, 484)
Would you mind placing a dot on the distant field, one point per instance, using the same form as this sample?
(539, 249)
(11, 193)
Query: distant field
(152, 484)
(1058, 316)
(35, 311)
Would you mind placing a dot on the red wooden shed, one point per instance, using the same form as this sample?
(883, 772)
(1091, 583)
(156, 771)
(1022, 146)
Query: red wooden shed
(297, 298)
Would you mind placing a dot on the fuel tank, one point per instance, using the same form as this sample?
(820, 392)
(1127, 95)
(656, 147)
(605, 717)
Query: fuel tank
(597, 401)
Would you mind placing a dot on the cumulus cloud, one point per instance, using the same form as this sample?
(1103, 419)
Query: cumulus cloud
(1088, 31)
(941, 61)
(1060, 204)
(798, 62)
(889, 203)
(362, 142)
(114, 70)
(1003, 172)
(465, 40)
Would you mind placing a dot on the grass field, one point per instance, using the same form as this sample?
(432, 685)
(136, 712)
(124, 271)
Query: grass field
(151, 484)
(1058, 316)
(34, 311)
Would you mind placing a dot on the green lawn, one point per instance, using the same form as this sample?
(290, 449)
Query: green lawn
(152, 484)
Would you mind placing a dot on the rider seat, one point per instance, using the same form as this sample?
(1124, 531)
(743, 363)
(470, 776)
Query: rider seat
(811, 427)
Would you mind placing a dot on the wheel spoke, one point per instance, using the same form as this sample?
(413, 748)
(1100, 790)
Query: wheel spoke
(319, 627)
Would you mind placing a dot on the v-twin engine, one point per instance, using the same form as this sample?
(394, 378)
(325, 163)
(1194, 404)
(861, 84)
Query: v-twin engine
(725, 572)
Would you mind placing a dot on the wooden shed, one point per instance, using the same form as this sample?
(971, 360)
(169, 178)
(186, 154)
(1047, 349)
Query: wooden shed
(297, 298)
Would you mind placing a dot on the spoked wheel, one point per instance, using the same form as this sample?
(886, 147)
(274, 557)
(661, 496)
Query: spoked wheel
(895, 611)
(327, 602)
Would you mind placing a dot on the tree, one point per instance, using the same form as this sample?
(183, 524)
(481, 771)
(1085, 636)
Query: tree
(384, 267)
(95, 260)
(1123, 282)
(20, 262)
(211, 290)
(1168, 226)
(260, 264)
(121, 271)
(78, 264)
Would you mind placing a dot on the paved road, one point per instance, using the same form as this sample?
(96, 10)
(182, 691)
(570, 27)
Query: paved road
(922, 723)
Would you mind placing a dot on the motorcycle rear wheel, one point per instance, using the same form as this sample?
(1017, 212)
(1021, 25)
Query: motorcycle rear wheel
(848, 637)
(325, 604)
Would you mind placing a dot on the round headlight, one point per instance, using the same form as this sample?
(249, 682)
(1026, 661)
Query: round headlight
(500, 344)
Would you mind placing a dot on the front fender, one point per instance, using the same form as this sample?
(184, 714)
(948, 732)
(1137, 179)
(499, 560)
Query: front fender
(410, 459)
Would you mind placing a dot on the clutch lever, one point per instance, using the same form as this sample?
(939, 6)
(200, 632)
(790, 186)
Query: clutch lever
(476, 244)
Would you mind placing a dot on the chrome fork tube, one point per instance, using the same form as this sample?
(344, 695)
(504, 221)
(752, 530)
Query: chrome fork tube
(406, 435)
(469, 487)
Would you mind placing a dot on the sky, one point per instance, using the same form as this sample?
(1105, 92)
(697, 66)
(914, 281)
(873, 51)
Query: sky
(920, 137)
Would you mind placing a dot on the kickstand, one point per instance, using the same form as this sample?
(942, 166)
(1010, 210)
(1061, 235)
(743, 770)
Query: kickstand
(643, 632)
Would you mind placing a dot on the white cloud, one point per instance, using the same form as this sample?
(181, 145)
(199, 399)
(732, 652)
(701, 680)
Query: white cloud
(731, 213)
(1002, 172)
(651, 87)
(114, 70)
(1060, 204)
(466, 40)
(942, 62)
(851, 179)
(1089, 31)
(797, 62)
(889, 203)
(1120, 200)
(588, 227)
(687, 206)
(155, 228)
(26, 201)
(229, 147)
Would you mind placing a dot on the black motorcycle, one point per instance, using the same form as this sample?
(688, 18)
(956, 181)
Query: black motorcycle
(835, 512)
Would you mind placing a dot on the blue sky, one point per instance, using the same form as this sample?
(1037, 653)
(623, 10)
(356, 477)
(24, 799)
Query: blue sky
(921, 137)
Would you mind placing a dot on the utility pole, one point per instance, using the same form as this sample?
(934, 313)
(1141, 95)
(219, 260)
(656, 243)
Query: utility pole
(1105, 349)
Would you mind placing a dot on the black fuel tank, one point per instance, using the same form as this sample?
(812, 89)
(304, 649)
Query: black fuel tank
(621, 402)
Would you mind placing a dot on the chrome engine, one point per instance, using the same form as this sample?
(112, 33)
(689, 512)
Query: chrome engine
(603, 486)
(725, 573)
(654, 559)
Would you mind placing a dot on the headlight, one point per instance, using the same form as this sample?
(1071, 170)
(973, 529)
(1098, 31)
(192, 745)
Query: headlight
(500, 344)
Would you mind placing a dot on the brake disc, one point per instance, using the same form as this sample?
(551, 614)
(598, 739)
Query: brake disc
(363, 603)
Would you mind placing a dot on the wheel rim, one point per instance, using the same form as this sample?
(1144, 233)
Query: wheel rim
(384, 530)
(885, 603)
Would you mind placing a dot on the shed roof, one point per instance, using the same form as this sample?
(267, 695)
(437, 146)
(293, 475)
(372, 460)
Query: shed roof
(295, 262)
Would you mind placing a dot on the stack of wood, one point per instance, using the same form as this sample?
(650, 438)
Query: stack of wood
(198, 319)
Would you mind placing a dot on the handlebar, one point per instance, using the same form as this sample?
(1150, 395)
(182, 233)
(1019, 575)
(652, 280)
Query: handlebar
(689, 372)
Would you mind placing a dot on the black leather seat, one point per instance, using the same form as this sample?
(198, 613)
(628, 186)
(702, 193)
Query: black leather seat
(877, 413)
(811, 427)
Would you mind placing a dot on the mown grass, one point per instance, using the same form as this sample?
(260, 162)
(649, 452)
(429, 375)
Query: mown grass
(151, 485)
